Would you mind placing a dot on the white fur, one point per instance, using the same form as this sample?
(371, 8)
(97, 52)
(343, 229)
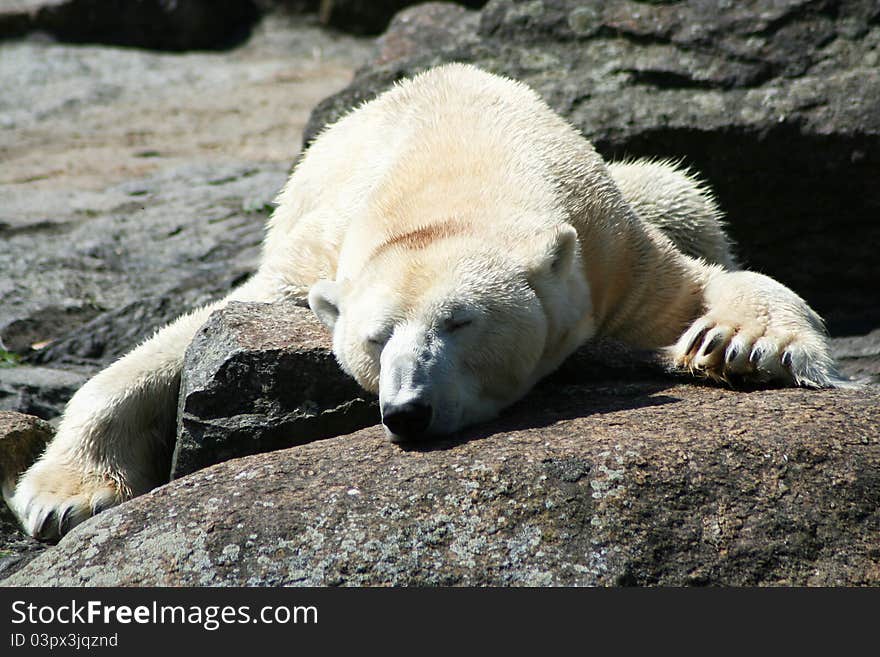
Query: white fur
(461, 240)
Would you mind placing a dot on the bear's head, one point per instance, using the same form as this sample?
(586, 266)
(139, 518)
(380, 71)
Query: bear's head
(450, 330)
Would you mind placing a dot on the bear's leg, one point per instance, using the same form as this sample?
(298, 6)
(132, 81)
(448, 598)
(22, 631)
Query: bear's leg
(114, 430)
(679, 203)
(749, 327)
(753, 328)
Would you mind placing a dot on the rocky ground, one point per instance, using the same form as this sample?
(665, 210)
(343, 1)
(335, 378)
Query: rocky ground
(136, 184)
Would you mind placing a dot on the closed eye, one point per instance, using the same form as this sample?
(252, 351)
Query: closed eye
(457, 323)
(378, 339)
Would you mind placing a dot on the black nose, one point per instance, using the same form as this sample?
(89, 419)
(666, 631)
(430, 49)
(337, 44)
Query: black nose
(407, 420)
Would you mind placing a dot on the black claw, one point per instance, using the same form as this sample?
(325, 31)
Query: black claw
(756, 355)
(64, 522)
(786, 359)
(732, 353)
(47, 531)
(696, 339)
(712, 345)
(97, 507)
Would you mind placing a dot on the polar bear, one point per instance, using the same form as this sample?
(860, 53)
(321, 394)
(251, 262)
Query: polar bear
(460, 239)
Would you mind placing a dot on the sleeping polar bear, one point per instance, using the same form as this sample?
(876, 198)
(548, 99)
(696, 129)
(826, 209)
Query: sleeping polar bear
(461, 240)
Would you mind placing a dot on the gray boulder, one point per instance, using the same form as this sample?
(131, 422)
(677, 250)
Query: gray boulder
(776, 104)
(608, 483)
(22, 440)
(181, 238)
(259, 377)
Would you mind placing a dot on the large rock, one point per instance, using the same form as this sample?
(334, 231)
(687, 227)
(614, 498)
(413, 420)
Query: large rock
(179, 25)
(612, 483)
(259, 377)
(777, 104)
(22, 440)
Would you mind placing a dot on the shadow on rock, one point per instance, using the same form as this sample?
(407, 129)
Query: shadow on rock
(550, 404)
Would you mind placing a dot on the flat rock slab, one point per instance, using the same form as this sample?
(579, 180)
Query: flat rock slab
(259, 377)
(612, 483)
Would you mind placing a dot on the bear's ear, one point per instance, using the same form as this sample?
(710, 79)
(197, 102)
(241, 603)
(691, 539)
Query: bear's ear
(324, 302)
(556, 253)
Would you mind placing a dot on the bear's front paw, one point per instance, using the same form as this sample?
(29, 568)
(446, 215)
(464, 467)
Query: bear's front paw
(756, 330)
(54, 496)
